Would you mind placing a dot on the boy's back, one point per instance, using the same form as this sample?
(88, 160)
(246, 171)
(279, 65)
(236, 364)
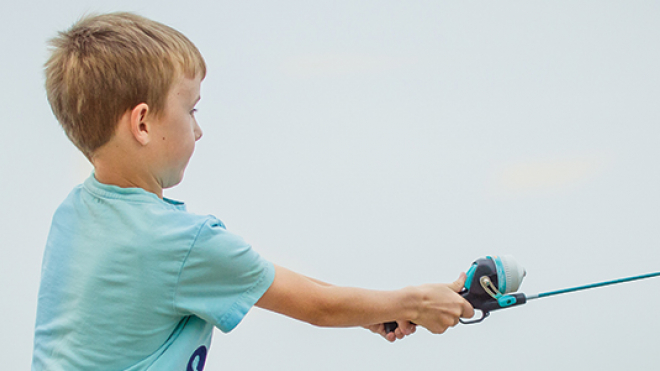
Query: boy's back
(136, 273)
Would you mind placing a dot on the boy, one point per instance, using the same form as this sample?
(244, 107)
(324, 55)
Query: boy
(130, 280)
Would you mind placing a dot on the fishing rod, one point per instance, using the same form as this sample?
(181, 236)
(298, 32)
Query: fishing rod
(492, 282)
(593, 285)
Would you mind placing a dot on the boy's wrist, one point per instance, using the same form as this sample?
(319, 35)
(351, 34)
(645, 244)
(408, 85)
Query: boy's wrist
(411, 301)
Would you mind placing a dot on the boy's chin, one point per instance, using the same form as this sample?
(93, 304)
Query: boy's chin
(172, 181)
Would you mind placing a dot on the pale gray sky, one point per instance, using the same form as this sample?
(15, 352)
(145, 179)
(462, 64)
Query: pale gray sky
(382, 144)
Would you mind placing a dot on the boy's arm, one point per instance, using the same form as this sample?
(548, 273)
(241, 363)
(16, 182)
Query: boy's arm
(433, 306)
(403, 329)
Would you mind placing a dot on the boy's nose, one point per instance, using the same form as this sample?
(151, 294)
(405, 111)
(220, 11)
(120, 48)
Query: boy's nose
(198, 132)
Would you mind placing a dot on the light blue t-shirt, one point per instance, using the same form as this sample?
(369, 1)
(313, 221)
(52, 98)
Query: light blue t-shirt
(133, 282)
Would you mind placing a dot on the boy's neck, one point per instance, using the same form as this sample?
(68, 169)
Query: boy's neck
(108, 173)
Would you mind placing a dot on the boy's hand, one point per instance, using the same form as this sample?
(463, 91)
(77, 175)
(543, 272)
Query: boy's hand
(442, 306)
(404, 329)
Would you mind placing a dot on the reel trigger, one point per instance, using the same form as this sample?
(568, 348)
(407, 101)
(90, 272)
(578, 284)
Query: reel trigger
(484, 314)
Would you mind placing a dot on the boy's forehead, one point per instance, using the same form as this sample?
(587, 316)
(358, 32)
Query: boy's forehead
(187, 87)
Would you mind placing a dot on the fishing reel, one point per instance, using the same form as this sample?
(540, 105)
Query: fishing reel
(490, 285)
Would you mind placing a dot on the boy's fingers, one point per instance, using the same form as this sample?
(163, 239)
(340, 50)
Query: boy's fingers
(468, 311)
(458, 285)
(378, 329)
(405, 327)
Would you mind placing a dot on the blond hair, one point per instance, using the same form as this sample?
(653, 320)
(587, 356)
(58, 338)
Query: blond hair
(105, 65)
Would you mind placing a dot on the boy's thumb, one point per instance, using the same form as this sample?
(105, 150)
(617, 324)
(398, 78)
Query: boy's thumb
(458, 285)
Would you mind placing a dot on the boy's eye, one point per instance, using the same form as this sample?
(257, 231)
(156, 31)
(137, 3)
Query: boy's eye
(193, 111)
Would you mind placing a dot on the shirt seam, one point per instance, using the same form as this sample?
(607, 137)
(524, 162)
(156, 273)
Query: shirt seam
(222, 320)
(183, 263)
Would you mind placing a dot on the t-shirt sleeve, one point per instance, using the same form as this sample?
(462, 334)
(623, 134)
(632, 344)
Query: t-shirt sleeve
(221, 278)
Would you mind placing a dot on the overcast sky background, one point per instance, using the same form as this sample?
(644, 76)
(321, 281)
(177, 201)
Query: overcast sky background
(382, 144)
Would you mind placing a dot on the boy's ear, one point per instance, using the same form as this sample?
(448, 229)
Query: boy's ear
(140, 126)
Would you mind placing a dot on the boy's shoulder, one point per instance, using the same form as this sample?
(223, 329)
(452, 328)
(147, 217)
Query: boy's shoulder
(98, 211)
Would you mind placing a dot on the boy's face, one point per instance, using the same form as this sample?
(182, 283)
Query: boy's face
(176, 131)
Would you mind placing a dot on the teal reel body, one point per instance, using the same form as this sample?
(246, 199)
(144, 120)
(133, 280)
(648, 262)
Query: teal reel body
(491, 284)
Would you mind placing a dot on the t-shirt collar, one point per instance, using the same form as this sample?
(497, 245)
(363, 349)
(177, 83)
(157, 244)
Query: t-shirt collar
(92, 185)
